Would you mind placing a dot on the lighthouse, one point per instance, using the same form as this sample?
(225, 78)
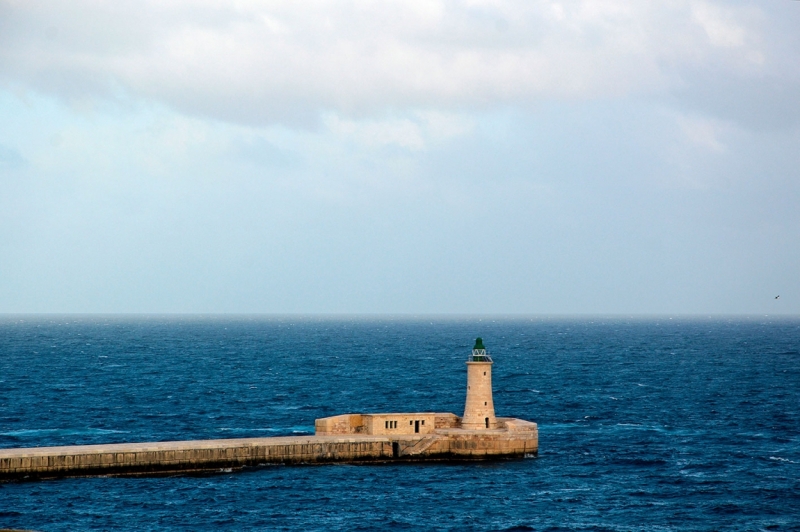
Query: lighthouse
(479, 409)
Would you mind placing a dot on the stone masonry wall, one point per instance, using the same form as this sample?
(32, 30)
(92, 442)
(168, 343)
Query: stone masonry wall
(171, 457)
(389, 424)
(447, 421)
(379, 424)
(339, 425)
(479, 405)
(519, 438)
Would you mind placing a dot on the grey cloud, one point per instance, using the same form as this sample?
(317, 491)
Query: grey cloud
(757, 104)
(262, 153)
(257, 63)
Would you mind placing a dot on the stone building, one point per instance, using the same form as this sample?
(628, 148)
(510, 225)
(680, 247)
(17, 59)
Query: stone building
(478, 409)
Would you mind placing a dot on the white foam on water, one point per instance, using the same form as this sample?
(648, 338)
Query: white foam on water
(65, 432)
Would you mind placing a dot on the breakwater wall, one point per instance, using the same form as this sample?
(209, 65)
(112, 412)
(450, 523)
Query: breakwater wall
(520, 439)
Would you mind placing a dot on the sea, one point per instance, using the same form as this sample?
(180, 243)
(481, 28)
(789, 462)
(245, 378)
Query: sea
(657, 423)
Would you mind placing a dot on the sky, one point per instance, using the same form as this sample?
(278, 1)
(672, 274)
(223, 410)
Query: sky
(400, 157)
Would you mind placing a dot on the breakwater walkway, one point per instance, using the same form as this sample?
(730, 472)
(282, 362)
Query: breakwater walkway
(354, 438)
(515, 440)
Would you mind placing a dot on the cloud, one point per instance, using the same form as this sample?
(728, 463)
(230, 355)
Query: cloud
(720, 26)
(703, 132)
(404, 133)
(261, 62)
(413, 133)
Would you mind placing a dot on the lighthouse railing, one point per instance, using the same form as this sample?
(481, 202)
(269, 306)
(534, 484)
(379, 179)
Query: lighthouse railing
(480, 355)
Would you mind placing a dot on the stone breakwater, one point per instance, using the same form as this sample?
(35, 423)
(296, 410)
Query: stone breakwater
(516, 439)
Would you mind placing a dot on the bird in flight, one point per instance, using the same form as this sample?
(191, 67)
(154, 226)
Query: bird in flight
(777, 297)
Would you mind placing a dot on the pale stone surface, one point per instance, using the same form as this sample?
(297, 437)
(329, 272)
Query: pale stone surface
(377, 424)
(513, 438)
(447, 421)
(479, 407)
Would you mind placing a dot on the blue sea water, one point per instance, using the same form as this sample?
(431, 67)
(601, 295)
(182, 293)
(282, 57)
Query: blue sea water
(644, 424)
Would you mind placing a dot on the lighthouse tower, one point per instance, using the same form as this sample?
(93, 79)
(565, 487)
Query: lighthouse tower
(479, 410)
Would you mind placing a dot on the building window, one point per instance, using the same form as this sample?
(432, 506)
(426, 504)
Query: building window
(423, 422)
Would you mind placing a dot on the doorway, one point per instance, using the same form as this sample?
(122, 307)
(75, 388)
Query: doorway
(487, 422)
(416, 425)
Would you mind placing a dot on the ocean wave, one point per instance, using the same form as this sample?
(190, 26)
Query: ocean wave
(33, 433)
(295, 429)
